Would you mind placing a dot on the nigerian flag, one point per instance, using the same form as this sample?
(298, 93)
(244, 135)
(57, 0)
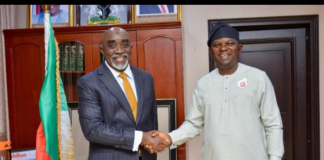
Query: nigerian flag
(54, 139)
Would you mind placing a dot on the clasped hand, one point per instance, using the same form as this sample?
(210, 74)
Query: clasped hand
(155, 141)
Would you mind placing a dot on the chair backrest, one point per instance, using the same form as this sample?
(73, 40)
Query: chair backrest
(5, 150)
(5, 145)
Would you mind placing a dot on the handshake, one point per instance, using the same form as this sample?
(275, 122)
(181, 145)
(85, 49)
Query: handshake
(155, 141)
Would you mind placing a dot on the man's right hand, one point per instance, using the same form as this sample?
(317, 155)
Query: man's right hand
(159, 134)
(154, 144)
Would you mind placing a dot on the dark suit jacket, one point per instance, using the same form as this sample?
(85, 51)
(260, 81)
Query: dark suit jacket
(152, 9)
(105, 116)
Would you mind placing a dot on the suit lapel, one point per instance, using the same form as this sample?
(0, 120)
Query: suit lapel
(107, 78)
(139, 89)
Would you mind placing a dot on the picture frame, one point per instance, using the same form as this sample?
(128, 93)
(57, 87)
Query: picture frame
(89, 15)
(35, 16)
(212, 63)
(167, 122)
(153, 13)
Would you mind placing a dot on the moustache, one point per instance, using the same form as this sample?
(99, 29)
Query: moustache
(119, 54)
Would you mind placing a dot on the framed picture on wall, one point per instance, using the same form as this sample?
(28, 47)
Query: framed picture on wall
(155, 13)
(167, 122)
(102, 14)
(61, 15)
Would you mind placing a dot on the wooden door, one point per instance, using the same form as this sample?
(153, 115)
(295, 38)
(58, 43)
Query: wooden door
(160, 53)
(275, 60)
(286, 48)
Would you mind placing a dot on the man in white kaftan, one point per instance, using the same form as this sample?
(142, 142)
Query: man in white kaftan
(240, 116)
(235, 104)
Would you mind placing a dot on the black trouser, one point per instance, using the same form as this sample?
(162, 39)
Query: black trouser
(140, 158)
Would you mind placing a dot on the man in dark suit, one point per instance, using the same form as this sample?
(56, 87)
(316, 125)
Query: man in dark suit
(156, 9)
(118, 111)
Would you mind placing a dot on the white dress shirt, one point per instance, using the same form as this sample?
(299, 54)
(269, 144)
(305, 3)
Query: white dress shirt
(130, 77)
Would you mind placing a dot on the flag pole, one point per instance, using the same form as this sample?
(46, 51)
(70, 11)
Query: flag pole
(58, 92)
(54, 139)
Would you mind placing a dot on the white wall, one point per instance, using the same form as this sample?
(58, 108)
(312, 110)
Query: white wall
(22, 16)
(195, 35)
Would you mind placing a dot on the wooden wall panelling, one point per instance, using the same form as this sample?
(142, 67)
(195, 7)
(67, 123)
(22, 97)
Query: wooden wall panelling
(96, 40)
(25, 74)
(160, 53)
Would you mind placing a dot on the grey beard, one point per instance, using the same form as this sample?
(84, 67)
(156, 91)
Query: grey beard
(119, 66)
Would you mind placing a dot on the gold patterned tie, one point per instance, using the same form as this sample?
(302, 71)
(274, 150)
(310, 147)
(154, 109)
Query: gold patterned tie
(130, 94)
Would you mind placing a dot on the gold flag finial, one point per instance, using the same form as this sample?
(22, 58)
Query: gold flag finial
(46, 8)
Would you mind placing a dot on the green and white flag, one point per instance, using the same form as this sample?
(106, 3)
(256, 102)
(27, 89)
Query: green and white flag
(54, 139)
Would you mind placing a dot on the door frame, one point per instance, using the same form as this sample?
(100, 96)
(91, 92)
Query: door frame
(310, 22)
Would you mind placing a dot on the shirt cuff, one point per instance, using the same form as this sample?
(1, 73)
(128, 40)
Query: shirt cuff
(137, 140)
(272, 157)
(173, 145)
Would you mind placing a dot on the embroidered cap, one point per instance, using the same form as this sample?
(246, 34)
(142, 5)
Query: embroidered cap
(221, 30)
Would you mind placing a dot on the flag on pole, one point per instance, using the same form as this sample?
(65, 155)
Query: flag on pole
(54, 139)
(39, 9)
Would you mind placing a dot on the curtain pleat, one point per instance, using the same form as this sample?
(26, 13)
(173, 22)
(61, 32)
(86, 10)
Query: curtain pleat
(8, 16)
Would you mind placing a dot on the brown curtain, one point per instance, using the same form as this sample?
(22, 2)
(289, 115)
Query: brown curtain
(8, 16)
